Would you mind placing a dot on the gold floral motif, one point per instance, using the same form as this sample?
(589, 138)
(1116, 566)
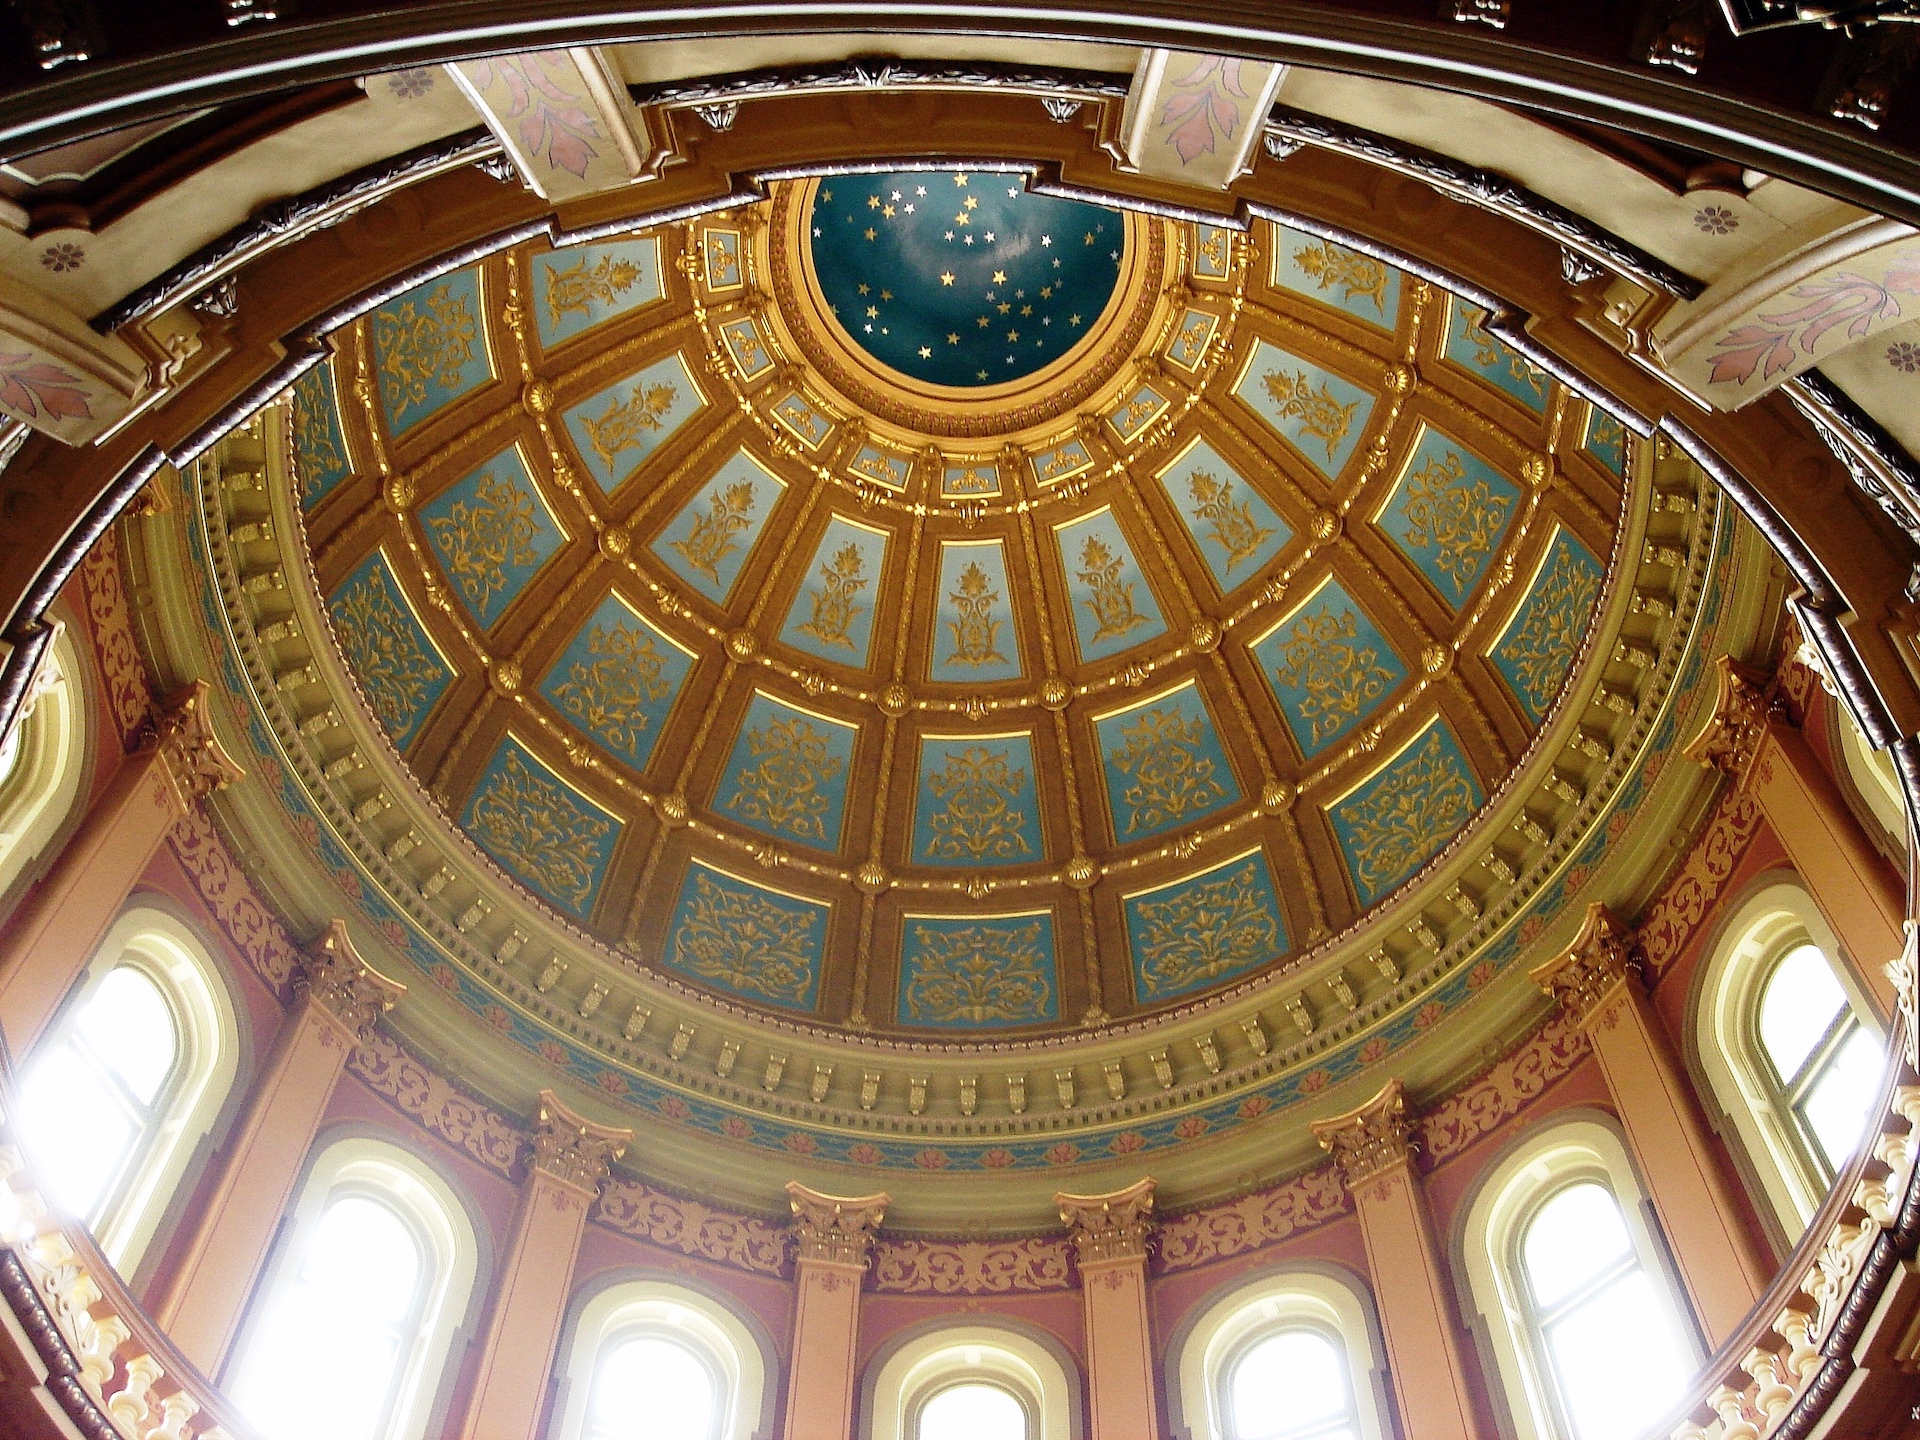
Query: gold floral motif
(479, 539)
(980, 821)
(1542, 646)
(837, 604)
(745, 943)
(1191, 341)
(975, 630)
(784, 790)
(1319, 413)
(422, 347)
(972, 481)
(379, 636)
(541, 830)
(1490, 354)
(576, 289)
(313, 434)
(713, 535)
(1340, 678)
(1171, 779)
(1109, 597)
(1458, 521)
(1230, 521)
(627, 421)
(1217, 927)
(1213, 252)
(1418, 803)
(1330, 265)
(977, 975)
(610, 693)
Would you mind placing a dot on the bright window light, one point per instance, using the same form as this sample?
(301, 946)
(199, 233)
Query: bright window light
(973, 1411)
(1801, 1001)
(1826, 1064)
(650, 1387)
(1290, 1386)
(1840, 1097)
(347, 1314)
(90, 1099)
(1587, 1289)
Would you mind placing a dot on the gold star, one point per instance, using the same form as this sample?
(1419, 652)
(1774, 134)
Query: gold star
(999, 277)
(1026, 309)
(946, 277)
(972, 202)
(886, 294)
(869, 232)
(1012, 335)
(873, 312)
(886, 212)
(982, 322)
(873, 202)
(1074, 321)
(925, 353)
(959, 179)
(1088, 238)
(961, 219)
(1046, 292)
(953, 338)
(864, 288)
(1005, 307)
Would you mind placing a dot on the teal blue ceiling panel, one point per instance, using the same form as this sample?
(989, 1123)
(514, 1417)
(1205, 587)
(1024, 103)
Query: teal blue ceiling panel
(1399, 817)
(1364, 287)
(1322, 415)
(1448, 513)
(1231, 525)
(832, 616)
(707, 543)
(429, 348)
(492, 532)
(391, 654)
(1203, 929)
(747, 939)
(978, 801)
(1470, 346)
(973, 633)
(582, 286)
(787, 775)
(617, 429)
(320, 457)
(543, 830)
(1164, 765)
(617, 680)
(1545, 632)
(1113, 605)
(1328, 665)
(978, 972)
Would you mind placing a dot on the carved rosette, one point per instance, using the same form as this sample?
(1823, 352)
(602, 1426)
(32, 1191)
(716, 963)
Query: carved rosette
(833, 1229)
(333, 976)
(1731, 737)
(572, 1149)
(1589, 970)
(194, 760)
(1109, 1227)
(1370, 1140)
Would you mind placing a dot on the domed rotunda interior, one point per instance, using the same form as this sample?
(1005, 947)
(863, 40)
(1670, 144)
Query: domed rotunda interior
(990, 722)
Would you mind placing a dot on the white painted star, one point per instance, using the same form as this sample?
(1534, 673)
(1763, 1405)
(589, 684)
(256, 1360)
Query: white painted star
(919, 189)
(1013, 190)
(909, 207)
(1046, 240)
(969, 239)
(949, 235)
(990, 237)
(925, 353)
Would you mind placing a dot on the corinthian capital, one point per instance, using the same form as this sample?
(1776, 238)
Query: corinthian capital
(1371, 1139)
(574, 1150)
(1592, 967)
(335, 978)
(181, 733)
(1109, 1227)
(833, 1228)
(1731, 737)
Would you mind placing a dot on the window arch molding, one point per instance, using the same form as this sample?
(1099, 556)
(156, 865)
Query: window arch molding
(1777, 914)
(1321, 1298)
(916, 1366)
(167, 951)
(46, 761)
(632, 1304)
(1874, 780)
(436, 1215)
(1557, 1154)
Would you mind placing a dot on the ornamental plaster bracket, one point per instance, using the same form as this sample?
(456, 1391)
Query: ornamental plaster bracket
(61, 378)
(835, 1229)
(1370, 1139)
(564, 118)
(572, 1149)
(1194, 119)
(1114, 1226)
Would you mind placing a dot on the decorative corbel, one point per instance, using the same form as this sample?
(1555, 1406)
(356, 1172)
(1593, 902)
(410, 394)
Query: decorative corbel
(332, 975)
(1109, 1227)
(195, 762)
(574, 1150)
(1371, 1139)
(1730, 739)
(1586, 974)
(834, 1229)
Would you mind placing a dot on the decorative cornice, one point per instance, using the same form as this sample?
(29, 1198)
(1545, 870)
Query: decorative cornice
(1590, 969)
(1109, 1227)
(195, 762)
(572, 1149)
(1371, 1139)
(834, 1229)
(334, 977)
(1731, 737)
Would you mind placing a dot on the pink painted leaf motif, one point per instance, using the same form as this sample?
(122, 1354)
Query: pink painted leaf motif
(1854, 301)
(551, 121)
(29, 386)
(1195, 115)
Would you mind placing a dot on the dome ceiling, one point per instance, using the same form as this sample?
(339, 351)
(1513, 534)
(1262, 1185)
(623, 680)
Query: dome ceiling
(945, 679)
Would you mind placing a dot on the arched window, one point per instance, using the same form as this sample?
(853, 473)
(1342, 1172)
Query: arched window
(370, 1281)
(651, 1358)
(1576, 1293)
(117, 1096)
(1290, 1356)
(1789, 1048)
(970, 1382)
(42, 760)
